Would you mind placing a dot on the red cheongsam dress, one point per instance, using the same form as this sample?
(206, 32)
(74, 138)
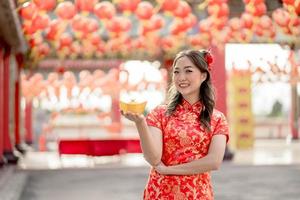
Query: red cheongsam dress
(184, 140)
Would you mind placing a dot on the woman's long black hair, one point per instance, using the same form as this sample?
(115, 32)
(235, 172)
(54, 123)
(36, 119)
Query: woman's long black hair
(207, 97)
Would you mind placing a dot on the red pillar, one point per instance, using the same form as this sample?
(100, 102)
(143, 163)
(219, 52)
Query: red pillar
(28, 122)
(1, 106)
(19, 60)
(7, 140)
(219, 82)
(219, 79)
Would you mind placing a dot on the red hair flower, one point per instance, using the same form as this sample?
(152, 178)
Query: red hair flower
(209, 59)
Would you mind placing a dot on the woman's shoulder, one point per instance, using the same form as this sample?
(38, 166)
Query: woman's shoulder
(217, 114)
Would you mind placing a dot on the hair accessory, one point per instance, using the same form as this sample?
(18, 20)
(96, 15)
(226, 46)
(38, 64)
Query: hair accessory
(209, 59)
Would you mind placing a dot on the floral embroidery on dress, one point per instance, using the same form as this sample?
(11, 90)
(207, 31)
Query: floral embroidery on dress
(184, 140)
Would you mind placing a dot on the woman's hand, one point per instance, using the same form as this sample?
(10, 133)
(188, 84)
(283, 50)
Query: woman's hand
(162, 168)
(137, 118)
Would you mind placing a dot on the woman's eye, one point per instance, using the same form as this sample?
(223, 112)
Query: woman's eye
(175, 72)
(189, 71)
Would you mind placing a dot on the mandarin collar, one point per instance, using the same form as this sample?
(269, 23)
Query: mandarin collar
(195, 107)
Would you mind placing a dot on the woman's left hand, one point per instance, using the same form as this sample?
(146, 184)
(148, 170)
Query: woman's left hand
(161, 168)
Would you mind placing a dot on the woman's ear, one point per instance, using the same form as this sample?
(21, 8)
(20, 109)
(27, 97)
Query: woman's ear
(203, 76)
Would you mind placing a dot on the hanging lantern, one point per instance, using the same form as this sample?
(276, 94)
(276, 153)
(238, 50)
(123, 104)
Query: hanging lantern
(28, 10)
(118, 24)
(46, 5)
(78, 22)
(144, 10)
(218, 10)
(128, 6)
(55, 28)
(28, 29)
(91, 25)
(85, 5)
(253, 1)
(65, 40)
(265, 22)
(281, 17)
(65, 10)
(183, 10)
(40, 21)
(105, 10)
(168, 5)
(247, 20)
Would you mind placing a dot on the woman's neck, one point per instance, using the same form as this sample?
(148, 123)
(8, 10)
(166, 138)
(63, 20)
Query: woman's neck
(191, 100)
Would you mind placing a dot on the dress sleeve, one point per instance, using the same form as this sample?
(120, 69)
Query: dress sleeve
(154, 118)
(221, 127)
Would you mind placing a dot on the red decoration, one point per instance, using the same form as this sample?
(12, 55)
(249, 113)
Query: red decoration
(65, 40)
(105, 10)
(40, 21)
(281, 17)
(144, 10)
(28, 10)
(218, 10)
(66, 10)
(183, 9)
(85, 5)
(169, 5)
(55, 28)
(247, 20)
(47, 5)
(128, 5)
(209, 59)
(118, 24)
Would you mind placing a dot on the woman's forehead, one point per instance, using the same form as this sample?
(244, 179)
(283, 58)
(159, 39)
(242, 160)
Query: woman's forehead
(183, 62)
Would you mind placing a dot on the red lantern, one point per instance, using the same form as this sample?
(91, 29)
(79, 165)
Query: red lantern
(218, 10)
(265, 22)
(28, 10)
(247, 20)
(256, 9)
(234, 24)
(144, 10)
(169, 5)
(290, 2)
(128, 5)
(281, 17)
(105, 10)
(65, 40)
(40, 21)
(217, 1)
(79, 22)
(253, 1)
(55, 28)
(91, 25)
(66, 10)
(95, 39)
(47, 5)
(28, 29)
(167, 43)
(183, 9)
(118, 24)
(205, 25)
(43, 49)
(85, 5)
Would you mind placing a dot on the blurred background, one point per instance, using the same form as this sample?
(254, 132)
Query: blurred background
(66, 64)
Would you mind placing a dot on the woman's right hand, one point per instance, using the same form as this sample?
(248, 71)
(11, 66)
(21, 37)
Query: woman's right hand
(137, 118)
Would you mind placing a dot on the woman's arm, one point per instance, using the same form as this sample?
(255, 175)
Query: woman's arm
(150, 137)
(211, 161)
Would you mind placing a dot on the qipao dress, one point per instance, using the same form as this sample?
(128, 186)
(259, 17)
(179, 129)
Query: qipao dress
(184, 140)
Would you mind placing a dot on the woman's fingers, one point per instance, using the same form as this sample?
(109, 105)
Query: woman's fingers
(132, 116)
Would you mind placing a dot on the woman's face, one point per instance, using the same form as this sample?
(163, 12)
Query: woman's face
(188, 79)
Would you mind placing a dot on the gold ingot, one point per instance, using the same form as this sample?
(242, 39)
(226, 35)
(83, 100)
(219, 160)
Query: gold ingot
(133, 107)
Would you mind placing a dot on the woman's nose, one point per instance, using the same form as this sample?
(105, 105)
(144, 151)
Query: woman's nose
(181, 77)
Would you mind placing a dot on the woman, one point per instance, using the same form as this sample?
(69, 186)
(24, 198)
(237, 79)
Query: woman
(185, 139)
